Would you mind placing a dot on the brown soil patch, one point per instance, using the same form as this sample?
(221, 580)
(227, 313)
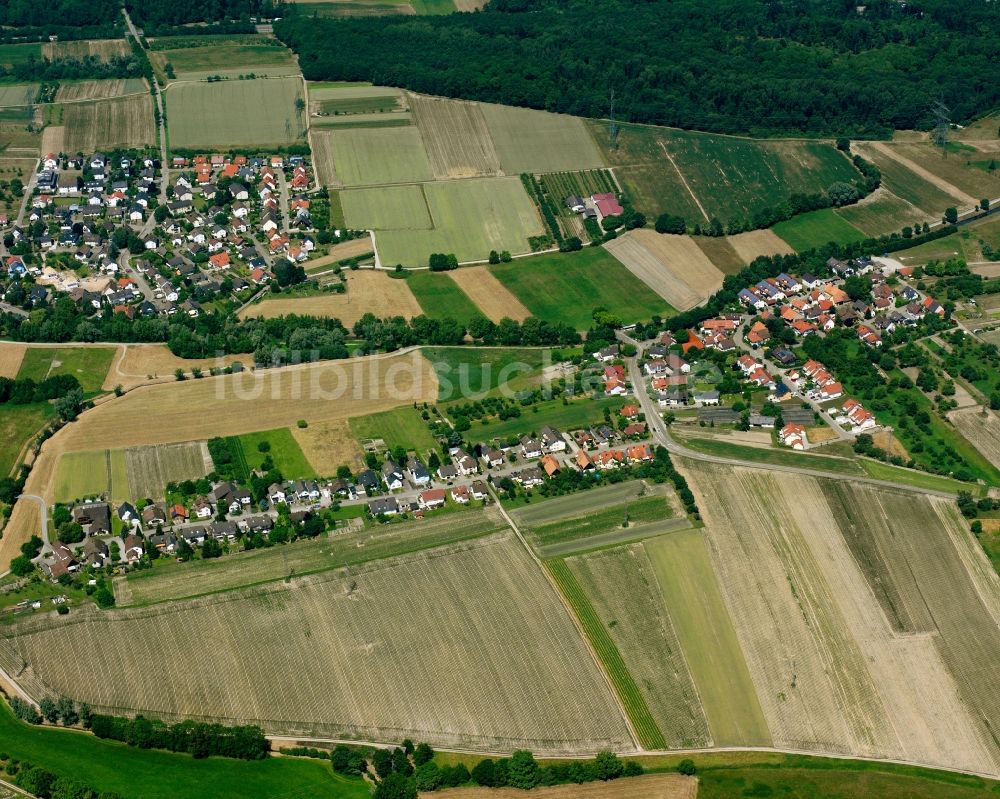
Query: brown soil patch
(721, 253)
(648, 786)
(54, 139)
(329, 445)
(368, 291)
(92, 90)
(494, 299)
(11, 355)
(982, 431)
(106, 124)
(672, 266)
(138, 364)
(755, 243)
(885, 440)
(102, 48)
(819, 434)
(990, 269)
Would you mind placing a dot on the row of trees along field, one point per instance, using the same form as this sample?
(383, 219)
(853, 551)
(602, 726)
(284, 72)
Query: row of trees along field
(732, 66)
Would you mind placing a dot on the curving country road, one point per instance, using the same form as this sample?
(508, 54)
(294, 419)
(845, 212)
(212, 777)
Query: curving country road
(658, 429)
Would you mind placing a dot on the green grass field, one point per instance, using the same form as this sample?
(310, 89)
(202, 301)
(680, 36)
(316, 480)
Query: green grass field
(464, 372)
(578, 413)
(230, 114)
(89, 365)
(441, 297)
(285, 452)
(386, 208)
(816, 228)
(17, 424)
(691, 593)
(885, 215)
(377, 157)
(18, 94)
(624, 684)
(537, 141)
(470, 218)
(640, 511)
(14, 54)
(90, 473)
(886, 471)
(909, 186)
(400, 427)
(778, 457)
(149, 774)
(961, 166)
(567, 287)
(226, 57)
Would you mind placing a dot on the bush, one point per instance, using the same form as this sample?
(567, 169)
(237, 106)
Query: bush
(687, 767)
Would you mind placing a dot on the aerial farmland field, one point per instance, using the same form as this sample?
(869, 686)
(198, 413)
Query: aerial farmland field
(18, 423)
(754, 243)
(501, 614)
(70, 91)
(567, 287)
(883, 213)
(491, 296)
(151, 468)
(441, 297)
(89, 365)
(816, 228)
(672, 266)
(470, 218)
(227, 113)
(961, 166)
(456, 137)
(375, 157)
(120, 122)
(104, 49)
(13, 54)
(84, 475)
(224, 56)
(537, 141)
(387, 208)
(833, 674)
(18, 94)
(903, 182)
(401, 427)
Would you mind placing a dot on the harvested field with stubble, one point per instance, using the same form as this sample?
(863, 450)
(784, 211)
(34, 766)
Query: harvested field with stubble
(860, 617)
(755, 243)
(982, 431)
(368, 291)
(456, 137)
(11, 355)
(102, 48)
(329, 445)
(106, 124)
(622, 588)
(493, 298)
(648, 786)
(99, 89)
(137, 364)
(672, 266)
(151, 468)
(254, 400)
(518, 675)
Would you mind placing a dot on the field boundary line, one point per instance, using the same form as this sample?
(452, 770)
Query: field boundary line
(680, 174)
(553, 584)
(924, 174)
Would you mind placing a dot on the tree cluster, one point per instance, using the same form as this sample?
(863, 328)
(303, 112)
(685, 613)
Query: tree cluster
(158, 14)
(194, 737)
(25, 390)
(736, 66)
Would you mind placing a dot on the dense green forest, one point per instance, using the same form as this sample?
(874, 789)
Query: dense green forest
(730, 66)
(178, 12)
(66, 13)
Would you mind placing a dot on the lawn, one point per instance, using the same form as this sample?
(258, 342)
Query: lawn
(284, 451)
(440, 297)
(468, 372)
(567, 287)
(469, 219)
(89, 365)
(778, 457)
(576, 414)
(150, 774)
(228, 114)
(816, 228)
(708, 639)
(401, 427)
(17, 424)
